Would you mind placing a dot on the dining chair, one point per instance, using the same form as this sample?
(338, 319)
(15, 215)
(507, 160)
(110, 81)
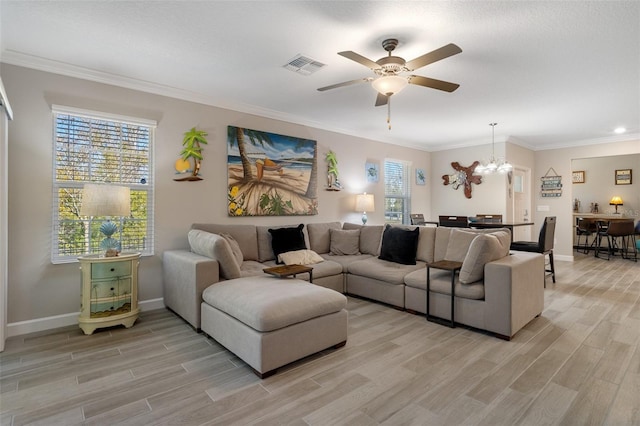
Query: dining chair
(454, 221)
(489, 218)
(544, 245)
(417, 219)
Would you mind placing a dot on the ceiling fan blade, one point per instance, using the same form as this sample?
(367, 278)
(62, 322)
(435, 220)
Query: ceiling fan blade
(359, 59)
(346, 83)
(434, 56)
(381, 99)
(433, 83)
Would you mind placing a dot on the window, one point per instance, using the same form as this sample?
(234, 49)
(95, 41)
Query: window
(92, 147)
(397, 197)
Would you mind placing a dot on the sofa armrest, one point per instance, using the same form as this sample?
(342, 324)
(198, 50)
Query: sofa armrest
(186, 275)
(514, 288)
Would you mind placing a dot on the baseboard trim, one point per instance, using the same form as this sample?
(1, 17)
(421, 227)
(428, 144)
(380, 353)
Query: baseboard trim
(48, 323)
(563, 258)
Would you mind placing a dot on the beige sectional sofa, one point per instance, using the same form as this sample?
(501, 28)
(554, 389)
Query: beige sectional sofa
(506, 291)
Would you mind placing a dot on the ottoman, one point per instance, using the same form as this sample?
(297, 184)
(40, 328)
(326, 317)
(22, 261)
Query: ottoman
(269, 322)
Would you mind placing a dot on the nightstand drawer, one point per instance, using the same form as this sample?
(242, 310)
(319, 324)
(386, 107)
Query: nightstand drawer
(111, 288)
(110, 270)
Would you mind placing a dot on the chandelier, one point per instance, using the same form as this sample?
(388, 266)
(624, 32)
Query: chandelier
(495, 165)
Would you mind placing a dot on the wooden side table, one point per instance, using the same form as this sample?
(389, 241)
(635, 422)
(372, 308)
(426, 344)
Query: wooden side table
(447, 265)
(289, 270)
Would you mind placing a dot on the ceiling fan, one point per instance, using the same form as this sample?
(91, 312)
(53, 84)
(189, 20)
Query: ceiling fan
(390, 71)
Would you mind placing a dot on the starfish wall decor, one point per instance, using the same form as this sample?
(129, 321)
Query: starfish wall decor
(463, 176)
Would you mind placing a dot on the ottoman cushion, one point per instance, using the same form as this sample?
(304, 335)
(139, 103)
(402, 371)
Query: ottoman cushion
(267, 303)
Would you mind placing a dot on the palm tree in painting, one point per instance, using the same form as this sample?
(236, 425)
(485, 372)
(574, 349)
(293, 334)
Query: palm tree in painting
(313, 179)
(236, 135)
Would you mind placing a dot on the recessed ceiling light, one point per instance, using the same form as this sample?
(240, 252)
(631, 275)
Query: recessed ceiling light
(620, 130)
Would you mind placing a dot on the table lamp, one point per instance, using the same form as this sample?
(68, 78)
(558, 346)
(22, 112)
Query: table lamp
(364, 203)
(616, 201)
(106, 200)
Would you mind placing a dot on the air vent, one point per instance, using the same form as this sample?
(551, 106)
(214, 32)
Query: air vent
(303, 65)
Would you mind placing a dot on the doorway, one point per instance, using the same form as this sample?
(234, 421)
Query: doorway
(521, 190)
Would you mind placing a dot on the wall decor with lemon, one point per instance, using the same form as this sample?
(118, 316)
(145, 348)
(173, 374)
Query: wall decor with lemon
(188, 165)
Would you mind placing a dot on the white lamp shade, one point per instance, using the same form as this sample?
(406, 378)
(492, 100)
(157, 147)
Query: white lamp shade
(365, 203)
(105, 200)
(390, 84)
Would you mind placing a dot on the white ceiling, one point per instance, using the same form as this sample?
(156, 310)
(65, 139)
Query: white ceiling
(551, 74)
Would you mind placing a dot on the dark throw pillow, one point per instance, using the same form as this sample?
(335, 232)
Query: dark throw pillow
(399, 245)
(287, 239)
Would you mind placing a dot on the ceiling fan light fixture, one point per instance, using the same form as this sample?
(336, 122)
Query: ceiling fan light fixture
(390, 84)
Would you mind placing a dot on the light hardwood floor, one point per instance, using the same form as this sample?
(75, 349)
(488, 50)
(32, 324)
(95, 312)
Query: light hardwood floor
(578, 364)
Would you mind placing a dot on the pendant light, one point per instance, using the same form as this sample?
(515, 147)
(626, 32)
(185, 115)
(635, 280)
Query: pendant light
(495, 165)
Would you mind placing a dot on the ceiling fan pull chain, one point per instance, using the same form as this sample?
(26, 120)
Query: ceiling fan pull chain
(389, 112)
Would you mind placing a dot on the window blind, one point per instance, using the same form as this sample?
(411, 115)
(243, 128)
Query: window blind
(397, 191)
(92, 147)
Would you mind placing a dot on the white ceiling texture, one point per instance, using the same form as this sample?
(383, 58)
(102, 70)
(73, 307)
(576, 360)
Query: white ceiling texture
(550, 73)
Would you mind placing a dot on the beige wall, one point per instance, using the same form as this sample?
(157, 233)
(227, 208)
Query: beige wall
(487, 198)
(599, 186)
(39, 289)
(562, 207)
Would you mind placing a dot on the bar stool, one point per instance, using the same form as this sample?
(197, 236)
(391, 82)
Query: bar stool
(620, 235)
(601, 233)
(586, 228)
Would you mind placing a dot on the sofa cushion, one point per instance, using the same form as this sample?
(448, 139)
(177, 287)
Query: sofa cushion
(251, 268)
(441, 283)
(345, 260)
(300, 257)
(245, 235)
(215, 247)
(483, 249)
(441, 242)
(426, 244)
(399, 245)
(458, 245)
(319, 237)
(235, 247)
(267, 304)
(344, 242)
(287, 239)
(383, 270)
(370, 237)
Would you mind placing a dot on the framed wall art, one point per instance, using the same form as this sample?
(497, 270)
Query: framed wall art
(372, 171)
(270, 174)
(623, 177)
(421, 178)
(577, 176)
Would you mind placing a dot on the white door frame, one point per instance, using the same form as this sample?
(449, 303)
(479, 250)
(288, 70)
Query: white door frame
(5, 115)
(521, 203)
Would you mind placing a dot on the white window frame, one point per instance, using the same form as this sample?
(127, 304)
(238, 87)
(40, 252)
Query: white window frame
(146, 247)
(402, 191)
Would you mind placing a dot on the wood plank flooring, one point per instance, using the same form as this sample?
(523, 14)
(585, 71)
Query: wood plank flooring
(578, 364)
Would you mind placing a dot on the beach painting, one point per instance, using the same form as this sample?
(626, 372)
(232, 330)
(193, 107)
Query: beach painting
(270, 174)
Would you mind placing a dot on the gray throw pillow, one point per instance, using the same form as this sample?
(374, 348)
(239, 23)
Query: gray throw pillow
(344, 243)
(235, 248)
(484, 248)
(217, 248)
